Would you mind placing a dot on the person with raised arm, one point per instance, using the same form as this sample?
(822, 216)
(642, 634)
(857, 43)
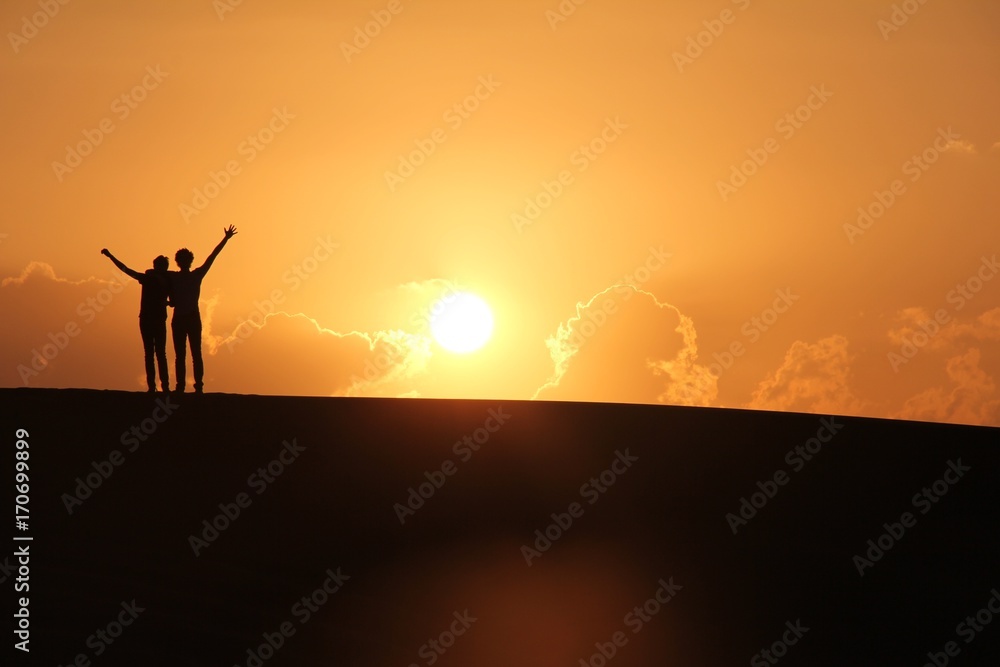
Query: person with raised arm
(152, 316)
(185, 289)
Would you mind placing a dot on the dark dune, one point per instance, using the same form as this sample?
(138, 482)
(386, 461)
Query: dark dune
(328, 517)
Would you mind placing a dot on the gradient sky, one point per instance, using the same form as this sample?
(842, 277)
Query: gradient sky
(701, 187)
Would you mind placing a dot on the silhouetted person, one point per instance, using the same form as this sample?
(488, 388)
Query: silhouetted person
(152, 316)
(185, 288)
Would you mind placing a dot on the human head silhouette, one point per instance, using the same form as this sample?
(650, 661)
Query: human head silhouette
(184, 257)
(161, 263)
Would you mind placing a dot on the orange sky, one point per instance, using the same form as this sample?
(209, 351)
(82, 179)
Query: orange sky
(722, 181)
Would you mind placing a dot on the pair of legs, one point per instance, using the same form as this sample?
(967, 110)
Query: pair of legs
(186, 328)
(154, 347)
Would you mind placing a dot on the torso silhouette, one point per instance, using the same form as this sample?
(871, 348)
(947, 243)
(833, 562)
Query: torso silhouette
(185, 289)
(153, 302)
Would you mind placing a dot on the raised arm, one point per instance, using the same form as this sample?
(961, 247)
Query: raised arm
(130, 272)
(230, 232)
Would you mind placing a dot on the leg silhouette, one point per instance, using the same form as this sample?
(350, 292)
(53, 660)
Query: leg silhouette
(160, 348)
(194, 335)
(147, 329)
(180, 354)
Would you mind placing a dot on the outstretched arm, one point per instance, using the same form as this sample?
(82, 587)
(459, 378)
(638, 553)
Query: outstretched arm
(230, 233)
(130, 272)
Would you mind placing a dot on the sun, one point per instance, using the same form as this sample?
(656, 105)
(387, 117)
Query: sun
(461, 322)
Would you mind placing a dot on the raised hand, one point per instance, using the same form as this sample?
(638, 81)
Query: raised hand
(105, 252)
(230, 232)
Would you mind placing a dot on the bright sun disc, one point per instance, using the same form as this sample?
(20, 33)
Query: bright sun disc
(461, 322)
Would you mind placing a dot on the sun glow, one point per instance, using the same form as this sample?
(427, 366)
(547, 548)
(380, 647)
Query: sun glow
(461, 322)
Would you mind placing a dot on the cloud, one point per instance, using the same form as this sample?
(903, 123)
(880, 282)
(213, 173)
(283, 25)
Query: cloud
(970, 398)
(813, 377)
(277, 353)
(911, 322)
(293, 354)
(651, 345)
(960, 146)
(38, 272)
(55, 330)
(996, 147)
